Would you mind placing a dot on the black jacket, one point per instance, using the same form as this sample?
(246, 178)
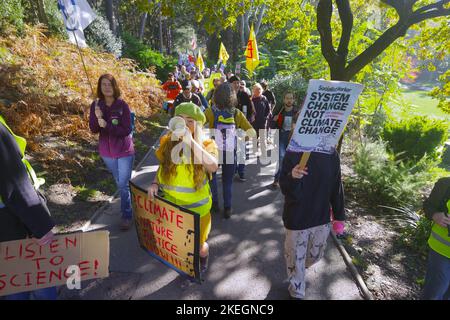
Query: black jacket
(24, 213)
(437, 201)
(308, 200)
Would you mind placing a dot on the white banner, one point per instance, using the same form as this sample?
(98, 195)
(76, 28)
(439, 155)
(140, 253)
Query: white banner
(324, 115)
(77, 15)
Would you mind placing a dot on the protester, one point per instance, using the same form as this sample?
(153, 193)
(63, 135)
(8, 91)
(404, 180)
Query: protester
(186, 95)
(245, 105)
(193, 75)
(283, 122)
(172, 89)
(263, 114)
(176, 73)
(225, 117)
(210, 95)
(309, 193)
(206, 73)
(437, 207)
(186, 184)
(269, 95)
(243, 87)
(196, 90)
(184, 75)
(110, 116)
(23, 212)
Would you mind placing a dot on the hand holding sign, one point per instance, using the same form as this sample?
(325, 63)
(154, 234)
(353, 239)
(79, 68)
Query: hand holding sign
(46, 239)
(298, 172)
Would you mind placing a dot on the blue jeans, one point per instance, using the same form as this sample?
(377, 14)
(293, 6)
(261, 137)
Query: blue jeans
(437, 280)
(283, 144)
(228, 171)
(121, 169)
(39, 294)
(240, 168)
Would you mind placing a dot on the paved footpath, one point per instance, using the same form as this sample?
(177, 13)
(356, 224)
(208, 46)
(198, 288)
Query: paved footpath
(246, 254)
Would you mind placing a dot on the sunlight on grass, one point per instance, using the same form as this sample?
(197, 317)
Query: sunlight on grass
(417, 102)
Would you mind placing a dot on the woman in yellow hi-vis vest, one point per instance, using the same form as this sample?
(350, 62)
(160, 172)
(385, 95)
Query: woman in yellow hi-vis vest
(437, 208)
(185, 181)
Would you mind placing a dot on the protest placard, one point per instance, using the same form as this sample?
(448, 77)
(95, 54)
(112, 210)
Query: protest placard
(325, 112)
(27, 266)
(167, 232)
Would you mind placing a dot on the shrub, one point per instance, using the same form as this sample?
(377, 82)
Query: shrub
(11, 13)
(377, 122)
(387, 181)
(146, 57)
(282, 83)
(411, 139)
(416, 236)
(99, 36)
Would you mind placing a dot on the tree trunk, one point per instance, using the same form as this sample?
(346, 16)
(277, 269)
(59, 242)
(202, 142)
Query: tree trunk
(242, 31)
(109, 11)
(41, 12)
(142, 27)
(262, 10)
(161, 42)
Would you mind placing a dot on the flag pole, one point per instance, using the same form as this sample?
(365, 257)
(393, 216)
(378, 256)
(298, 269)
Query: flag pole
(84, 65)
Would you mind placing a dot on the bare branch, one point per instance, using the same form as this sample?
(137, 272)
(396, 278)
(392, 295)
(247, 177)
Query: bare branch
(262, 10)
(375, 49)
(416, 18)
(437, 5)
(403, 7)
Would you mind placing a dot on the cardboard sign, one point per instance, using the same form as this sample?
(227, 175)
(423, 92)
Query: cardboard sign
(26, 266)
(324, 115)
(167, 232)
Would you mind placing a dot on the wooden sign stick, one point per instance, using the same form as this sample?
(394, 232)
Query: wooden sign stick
(304, 160)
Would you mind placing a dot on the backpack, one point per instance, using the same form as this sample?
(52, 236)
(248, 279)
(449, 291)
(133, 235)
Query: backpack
(224, 121)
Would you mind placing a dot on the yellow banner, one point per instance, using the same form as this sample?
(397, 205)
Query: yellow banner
(168, 232)
(223, 54)
(251, 53)
(199, 62)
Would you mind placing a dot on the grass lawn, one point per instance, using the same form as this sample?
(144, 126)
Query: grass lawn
(418, 102)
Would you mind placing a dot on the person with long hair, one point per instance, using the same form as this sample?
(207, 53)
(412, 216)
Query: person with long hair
(110, 117)
(226, 119)
(184, 180)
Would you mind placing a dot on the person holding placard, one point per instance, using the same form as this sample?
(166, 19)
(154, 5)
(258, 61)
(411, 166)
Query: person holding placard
(309, 194)
(23, 212)
(185, 181)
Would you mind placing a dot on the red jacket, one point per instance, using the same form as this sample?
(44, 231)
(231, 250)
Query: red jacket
(172, 89)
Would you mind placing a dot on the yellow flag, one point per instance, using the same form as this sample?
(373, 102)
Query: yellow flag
(251, 53)
(223, 54)
(199, 62)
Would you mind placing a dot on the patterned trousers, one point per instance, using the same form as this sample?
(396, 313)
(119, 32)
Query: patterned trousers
(303, 248)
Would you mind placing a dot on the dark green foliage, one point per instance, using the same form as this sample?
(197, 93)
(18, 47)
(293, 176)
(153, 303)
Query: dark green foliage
(416, 236)
(411, 139)
(385, 181)
(281, 84)
(11, 13)
(99, 35)
(146, 57)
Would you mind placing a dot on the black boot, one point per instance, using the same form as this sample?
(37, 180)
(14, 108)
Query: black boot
(227, 213)
(215, 208)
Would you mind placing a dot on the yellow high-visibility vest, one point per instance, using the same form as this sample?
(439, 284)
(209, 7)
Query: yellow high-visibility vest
(181, 190)
(22, 144)
(439, 240)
